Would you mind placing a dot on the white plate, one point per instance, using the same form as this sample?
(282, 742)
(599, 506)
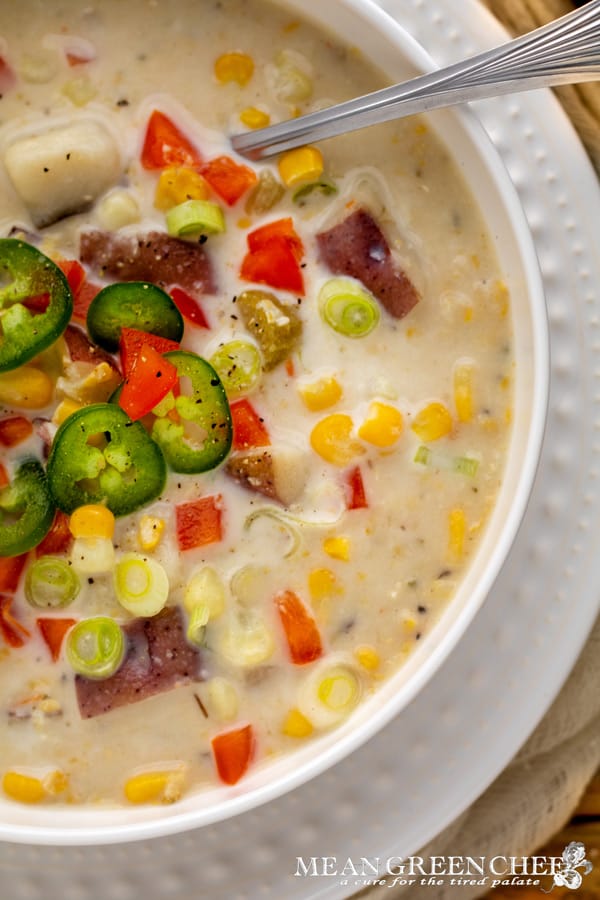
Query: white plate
(411, 780)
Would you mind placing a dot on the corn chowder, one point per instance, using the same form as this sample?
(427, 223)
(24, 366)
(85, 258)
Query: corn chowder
(254, 416)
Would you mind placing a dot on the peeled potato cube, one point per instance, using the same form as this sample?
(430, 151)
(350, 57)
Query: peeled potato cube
(62, 171)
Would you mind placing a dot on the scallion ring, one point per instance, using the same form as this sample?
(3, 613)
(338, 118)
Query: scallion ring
(238, 365)
(348, 308)
(96, 647)
(51, 583)
(141, 584)
(194, 218)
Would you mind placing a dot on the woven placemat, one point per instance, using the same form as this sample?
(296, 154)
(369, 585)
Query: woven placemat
(581, 101)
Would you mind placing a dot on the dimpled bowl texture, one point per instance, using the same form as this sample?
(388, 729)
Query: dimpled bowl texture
(362, 24)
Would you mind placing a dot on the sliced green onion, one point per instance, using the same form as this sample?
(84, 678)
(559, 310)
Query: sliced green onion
(51, 583)
(283, 521)
(141, 585)
(195, 218)
(462, 465)
(329, 694)
(348, 308)
(238, 365)
(199, 618)
(96, 647)
(466, 465)
(423, 455)
(322, 186)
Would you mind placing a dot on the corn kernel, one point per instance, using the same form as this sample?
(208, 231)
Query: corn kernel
(252, 117)
(30, 789)
(205, 588)
(117, 209)
(383, 427)
(26, 387)
(297, 725)
(463, 391)
(322, 583)
(65, 409)
(222, 699)
(332, 439)
(80, 91)
(321, 394)
(150, 532)
(155, 787)
(457, 528)
(92, 521)
(367, 657)
(24, 788)
(234, 67)
(176, 185)
(432, 422)
(502, 298)
(337, 548)
(302, 164)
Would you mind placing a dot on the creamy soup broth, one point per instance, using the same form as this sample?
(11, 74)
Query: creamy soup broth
(374, 580)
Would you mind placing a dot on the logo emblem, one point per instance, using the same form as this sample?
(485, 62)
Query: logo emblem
(573, 858)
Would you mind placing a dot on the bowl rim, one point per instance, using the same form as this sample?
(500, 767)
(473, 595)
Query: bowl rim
(332, 747)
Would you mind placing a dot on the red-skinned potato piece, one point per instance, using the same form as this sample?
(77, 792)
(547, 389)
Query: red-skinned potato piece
(152, 256)
(166, 145)
(301, 632)
(357, 247)
(158, 658)
(232, 751)
(81, 348)
(150, 380)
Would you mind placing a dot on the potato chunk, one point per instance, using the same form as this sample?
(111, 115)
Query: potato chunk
(62, 171)
(279, 474)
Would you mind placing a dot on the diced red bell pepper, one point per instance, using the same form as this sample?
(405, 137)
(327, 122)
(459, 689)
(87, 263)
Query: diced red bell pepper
(248, 427)
(132, 341)
(232, 751)
(274, 255)
(150, 380)
(14, 633)
(14, 430)
(8, 79)
(53, 631)
(228, 179)
(280, 229)
(11, 569)
(83, 290)
(301, 632)
(165, 145)
(189, 307)
(73, 272)
(59, 539)
(4, 480)
(199, 522)
(38, 304)
(83, 298)
(356, 495)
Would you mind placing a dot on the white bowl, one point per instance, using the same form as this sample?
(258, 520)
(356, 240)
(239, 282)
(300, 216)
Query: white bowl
(381, 40)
